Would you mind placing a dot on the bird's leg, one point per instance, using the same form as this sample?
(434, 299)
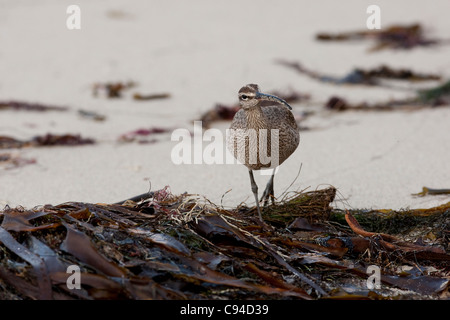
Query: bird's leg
(255, 193)
(268, 192)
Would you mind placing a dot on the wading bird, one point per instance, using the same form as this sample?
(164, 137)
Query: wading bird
(264, 128)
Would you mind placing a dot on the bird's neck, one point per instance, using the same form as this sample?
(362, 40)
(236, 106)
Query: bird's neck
(256, 118)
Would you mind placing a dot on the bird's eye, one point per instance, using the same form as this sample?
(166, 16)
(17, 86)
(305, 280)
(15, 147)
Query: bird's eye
(244, 97)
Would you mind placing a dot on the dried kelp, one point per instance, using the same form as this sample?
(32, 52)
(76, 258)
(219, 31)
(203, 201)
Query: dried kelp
(340, 104)
(430, 191)
(219, 112)
(45, 140)
(27, 106)
(291, 95)
(182, 247)
(10, 161)
(111, 89)
(370, 77)
(437, 96)
(91, 115)
(143, 135)
(392, 243)
(117, 89)
(154, 96)
(422, 224)
(311, 205)
(385, 72)
(60, 140)
(10, 143)
(403, 37)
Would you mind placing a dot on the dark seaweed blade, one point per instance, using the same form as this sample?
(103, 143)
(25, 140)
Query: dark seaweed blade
(20, 221)
(79, 245)
(35, 261)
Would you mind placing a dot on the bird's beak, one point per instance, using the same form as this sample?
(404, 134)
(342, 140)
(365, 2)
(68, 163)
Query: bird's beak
(269, 97)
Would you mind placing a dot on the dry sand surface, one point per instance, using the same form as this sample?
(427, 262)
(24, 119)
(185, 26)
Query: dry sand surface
(202, 52)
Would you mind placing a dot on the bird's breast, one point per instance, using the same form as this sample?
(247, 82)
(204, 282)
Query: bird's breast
(264, 138)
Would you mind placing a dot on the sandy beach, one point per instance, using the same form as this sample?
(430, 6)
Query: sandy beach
(201, 53)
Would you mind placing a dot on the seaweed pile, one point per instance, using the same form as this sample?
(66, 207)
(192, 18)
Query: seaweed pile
(170, 246)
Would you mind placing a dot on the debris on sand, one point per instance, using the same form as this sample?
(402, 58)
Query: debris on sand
(26, 106)
(91, 115)
(219, 112)
(291, 96)
(111, 89)
(170, 246)
(10, 143)
(154, 96)
(143, 135)
(117, 89)
(429, 191)
(12, 161)
(424, 99)
(397, 37)
(336, 103)
(435, 96)
(45, 140)
(370, 77)
(60, 140)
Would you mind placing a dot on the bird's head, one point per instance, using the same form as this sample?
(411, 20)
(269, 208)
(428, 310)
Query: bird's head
(249, 97)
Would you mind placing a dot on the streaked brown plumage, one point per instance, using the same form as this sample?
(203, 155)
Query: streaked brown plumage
(262, 112)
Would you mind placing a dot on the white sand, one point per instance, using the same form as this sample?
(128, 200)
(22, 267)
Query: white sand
(202, 52)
